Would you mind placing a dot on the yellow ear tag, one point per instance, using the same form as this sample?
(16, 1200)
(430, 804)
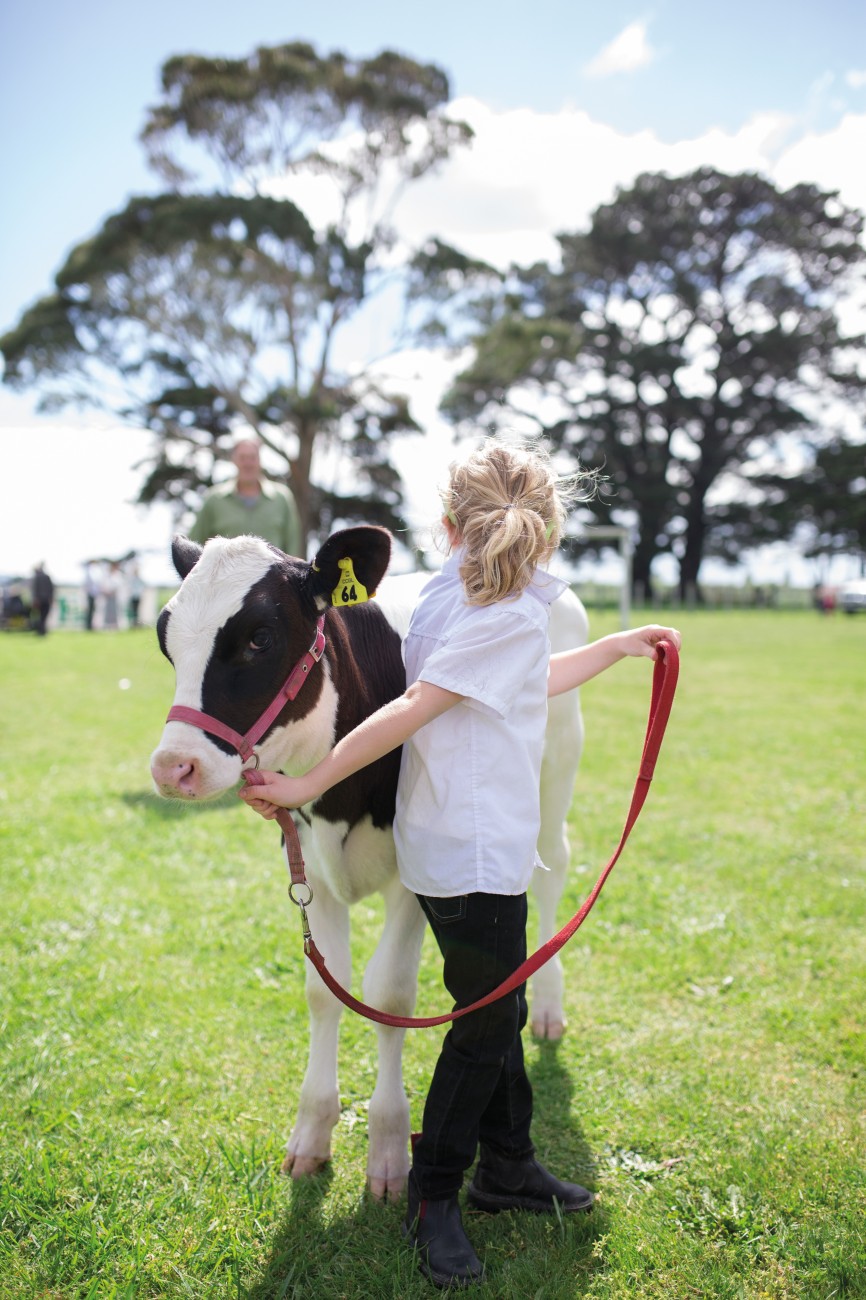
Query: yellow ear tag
(348, 590)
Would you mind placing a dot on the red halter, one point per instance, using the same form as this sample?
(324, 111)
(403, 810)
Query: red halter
(244, 743)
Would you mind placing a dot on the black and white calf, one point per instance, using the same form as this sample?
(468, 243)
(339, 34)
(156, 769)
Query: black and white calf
(244, 615)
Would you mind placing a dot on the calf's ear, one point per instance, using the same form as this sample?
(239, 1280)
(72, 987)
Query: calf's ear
(350, 565)
(185, 554)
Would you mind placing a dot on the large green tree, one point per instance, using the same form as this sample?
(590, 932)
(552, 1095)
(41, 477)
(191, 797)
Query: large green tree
(682, 342)
(822, 507)
(222, 301)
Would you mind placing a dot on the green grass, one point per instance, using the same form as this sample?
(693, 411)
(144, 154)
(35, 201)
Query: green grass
(711, 1086)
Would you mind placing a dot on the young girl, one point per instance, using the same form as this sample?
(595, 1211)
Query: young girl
(472, 721)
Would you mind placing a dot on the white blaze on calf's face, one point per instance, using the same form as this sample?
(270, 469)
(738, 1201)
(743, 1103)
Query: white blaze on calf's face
(210, 595)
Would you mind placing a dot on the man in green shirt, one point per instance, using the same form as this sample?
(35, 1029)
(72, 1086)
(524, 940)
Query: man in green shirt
(250, 504)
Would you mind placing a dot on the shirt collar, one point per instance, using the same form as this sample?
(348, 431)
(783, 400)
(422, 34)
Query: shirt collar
(266, 489)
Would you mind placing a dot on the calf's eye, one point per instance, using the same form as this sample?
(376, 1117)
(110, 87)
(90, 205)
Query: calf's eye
(260, 639)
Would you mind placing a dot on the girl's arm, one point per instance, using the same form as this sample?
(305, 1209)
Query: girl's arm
(377, 735)
(571, 668)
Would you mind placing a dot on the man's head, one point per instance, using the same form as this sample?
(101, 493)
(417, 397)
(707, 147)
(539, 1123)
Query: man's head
(245, 456)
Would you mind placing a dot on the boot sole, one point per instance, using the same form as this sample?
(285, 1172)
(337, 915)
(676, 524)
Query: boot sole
(491, 1203)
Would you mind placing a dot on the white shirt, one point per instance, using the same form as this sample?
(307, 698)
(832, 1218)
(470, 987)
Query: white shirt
(468, 810)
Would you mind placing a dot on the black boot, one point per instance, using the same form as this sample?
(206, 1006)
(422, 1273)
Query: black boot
(503, 1183)
(445, 1253)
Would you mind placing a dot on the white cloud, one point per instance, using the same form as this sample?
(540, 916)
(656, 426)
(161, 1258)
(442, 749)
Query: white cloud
(831, 159)
(625, 53)
(529, 175)
(856, 78)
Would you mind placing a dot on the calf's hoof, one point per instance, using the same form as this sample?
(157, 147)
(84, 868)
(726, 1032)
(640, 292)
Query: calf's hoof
(548, 1026)
(389, 1188)
(302, 1166)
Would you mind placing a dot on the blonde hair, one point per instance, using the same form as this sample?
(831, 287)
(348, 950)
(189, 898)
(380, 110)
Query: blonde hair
(509, 507)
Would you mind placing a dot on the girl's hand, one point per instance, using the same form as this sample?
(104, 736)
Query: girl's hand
(273, 792)
(643, 640)
(261, 806)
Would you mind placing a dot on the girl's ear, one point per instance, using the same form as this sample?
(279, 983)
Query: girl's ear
(349, 566)
(449, 523)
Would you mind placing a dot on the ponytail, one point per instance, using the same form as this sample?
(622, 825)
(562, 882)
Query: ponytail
(509, 508)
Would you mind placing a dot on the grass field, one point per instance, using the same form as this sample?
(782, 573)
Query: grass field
(711, 1086)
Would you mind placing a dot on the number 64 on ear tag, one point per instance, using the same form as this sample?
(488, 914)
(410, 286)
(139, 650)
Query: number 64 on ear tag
(348, 591)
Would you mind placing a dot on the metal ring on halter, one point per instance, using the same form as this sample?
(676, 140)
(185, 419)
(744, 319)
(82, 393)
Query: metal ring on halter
(301, 902)
(255, 761)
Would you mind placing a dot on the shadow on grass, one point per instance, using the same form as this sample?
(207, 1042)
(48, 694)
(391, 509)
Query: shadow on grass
(558, 1137)
(356, 1251)
(173, 809)
(314, 1247)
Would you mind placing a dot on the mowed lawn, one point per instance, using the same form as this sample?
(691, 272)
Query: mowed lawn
(711, 1086)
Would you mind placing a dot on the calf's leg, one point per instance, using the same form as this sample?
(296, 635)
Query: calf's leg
(309, 1146)
(390, 984)
(563, 745)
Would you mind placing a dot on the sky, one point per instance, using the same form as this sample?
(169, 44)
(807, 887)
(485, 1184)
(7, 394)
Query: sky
(567, 101)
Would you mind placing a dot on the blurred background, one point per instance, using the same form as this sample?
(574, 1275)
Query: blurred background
(363, 233)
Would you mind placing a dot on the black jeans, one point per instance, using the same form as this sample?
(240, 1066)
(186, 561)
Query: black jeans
(480, 1091)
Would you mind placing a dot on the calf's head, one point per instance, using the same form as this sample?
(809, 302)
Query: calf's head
(243, 617)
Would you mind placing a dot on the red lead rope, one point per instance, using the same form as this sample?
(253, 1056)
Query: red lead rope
(664, 686)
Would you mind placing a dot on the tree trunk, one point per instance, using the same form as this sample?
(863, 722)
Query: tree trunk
(645, 552)
(696, 531)
(300, 480)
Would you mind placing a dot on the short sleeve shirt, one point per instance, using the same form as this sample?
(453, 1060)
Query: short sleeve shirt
(468, 807)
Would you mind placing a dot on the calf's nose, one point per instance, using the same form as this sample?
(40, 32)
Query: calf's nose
(173, 775)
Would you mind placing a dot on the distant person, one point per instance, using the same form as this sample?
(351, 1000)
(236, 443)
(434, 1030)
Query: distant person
(111, 585)
(92, 590)
(250, 503)
(135, 591)
(823, 598)
(42, 598)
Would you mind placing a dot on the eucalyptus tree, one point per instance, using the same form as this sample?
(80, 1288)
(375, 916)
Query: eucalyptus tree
(681, 346)
(224, 299)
